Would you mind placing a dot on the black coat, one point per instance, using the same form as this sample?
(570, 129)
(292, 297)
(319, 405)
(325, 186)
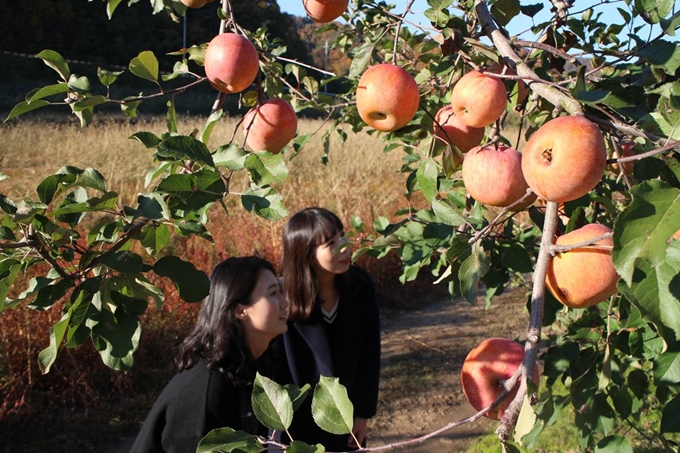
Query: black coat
(193, 403)
(348, 349)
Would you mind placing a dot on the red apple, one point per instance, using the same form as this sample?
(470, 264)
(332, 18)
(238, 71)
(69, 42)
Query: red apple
(323, 11)
(231, 62)
(493, 175)
(564, 159)
(270, 126)
(485, 369)
(626, 150)
(676, 235)
(454, 132)
(478, 100)
(195, 3)
(387, 97)
(583, 277)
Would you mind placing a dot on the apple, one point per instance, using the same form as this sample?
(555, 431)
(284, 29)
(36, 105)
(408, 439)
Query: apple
(270, 126)
(323, 11)
(522, 88)
(583, 277)
(195, 3)
(676, 235)
(387, 97)
(493, 175)
(486, 367)
(449, 129)
(478, 100)
(231, 62)
(564, 159)
(626, 150)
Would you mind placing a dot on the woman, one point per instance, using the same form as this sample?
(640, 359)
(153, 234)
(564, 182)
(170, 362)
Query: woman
(217, 362)
(335, 326)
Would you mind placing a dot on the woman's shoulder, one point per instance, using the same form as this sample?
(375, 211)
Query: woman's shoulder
(357, 274)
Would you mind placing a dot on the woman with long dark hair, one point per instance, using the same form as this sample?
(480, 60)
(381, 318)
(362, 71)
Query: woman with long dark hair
(335, 326)
(217, 362)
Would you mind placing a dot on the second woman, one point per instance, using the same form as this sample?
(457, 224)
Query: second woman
(335, 329)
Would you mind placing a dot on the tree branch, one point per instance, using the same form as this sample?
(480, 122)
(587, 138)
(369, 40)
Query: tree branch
(504, 46)
(509, 420)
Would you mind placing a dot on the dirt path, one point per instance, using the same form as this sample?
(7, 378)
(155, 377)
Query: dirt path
(422, 354)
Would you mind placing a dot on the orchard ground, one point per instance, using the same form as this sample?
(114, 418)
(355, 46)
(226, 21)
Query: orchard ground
(423, 348)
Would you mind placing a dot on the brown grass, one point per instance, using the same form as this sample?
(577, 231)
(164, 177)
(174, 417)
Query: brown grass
(359, 180)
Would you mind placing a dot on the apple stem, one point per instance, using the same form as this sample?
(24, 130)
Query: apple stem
(509, 420)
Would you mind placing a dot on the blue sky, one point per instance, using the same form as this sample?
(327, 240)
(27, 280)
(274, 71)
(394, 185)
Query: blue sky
(518, 24)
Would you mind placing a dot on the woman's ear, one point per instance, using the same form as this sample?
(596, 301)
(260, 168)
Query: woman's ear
(241, 312)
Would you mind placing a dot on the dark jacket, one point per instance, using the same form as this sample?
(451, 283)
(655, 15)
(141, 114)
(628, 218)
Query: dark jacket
(348, 349)
(193, 403)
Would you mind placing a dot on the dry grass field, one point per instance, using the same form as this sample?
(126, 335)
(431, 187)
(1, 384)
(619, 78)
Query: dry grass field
(359, 180)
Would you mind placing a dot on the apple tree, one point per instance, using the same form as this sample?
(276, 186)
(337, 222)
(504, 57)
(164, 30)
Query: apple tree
(547, 163)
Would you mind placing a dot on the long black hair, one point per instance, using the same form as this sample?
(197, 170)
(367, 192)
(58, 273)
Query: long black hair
(218, 335)
(304, 231)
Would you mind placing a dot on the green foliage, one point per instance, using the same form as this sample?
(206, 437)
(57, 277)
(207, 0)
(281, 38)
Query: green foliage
(615, 360)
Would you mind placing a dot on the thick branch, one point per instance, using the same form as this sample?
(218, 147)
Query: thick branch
(502, 43)
(509, 419)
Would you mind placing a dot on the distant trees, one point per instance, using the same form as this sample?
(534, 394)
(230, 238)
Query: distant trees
(81, 28)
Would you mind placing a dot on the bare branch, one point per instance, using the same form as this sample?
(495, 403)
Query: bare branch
(590, 243)
(511, 415)
(504, 46)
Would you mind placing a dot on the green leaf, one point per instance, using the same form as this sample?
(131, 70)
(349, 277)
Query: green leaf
(192, 284)
(447, 214)
(183, 147)
(155, 238)
(111, 6)
(331, 408)
(55, 61)
(426, 176)
(145, 66)
(107, 78)
(229, 440)
(667, 369)
(24, 107)
(266, 168)
(171, 116)
(125, 262)
(148, 139)
(471, 271)
(654, 10)
(362, 56)
(656, 292)
(129, 107)
(204, 136)
(79, 84)
(115, 327)
(233, 157)
(505, 10)
(9, 269)
(670, 422)
(47, 356)
(152, 206)
(516, 257)
(531, 10)
(642, 230)
(271, 404)
(613, 444)
(662, 54)
(301, 447)
(47, 91)
(264, 202)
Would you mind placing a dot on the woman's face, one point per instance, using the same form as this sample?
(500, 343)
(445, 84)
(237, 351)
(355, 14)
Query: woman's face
(267, 315)
(333, 256)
